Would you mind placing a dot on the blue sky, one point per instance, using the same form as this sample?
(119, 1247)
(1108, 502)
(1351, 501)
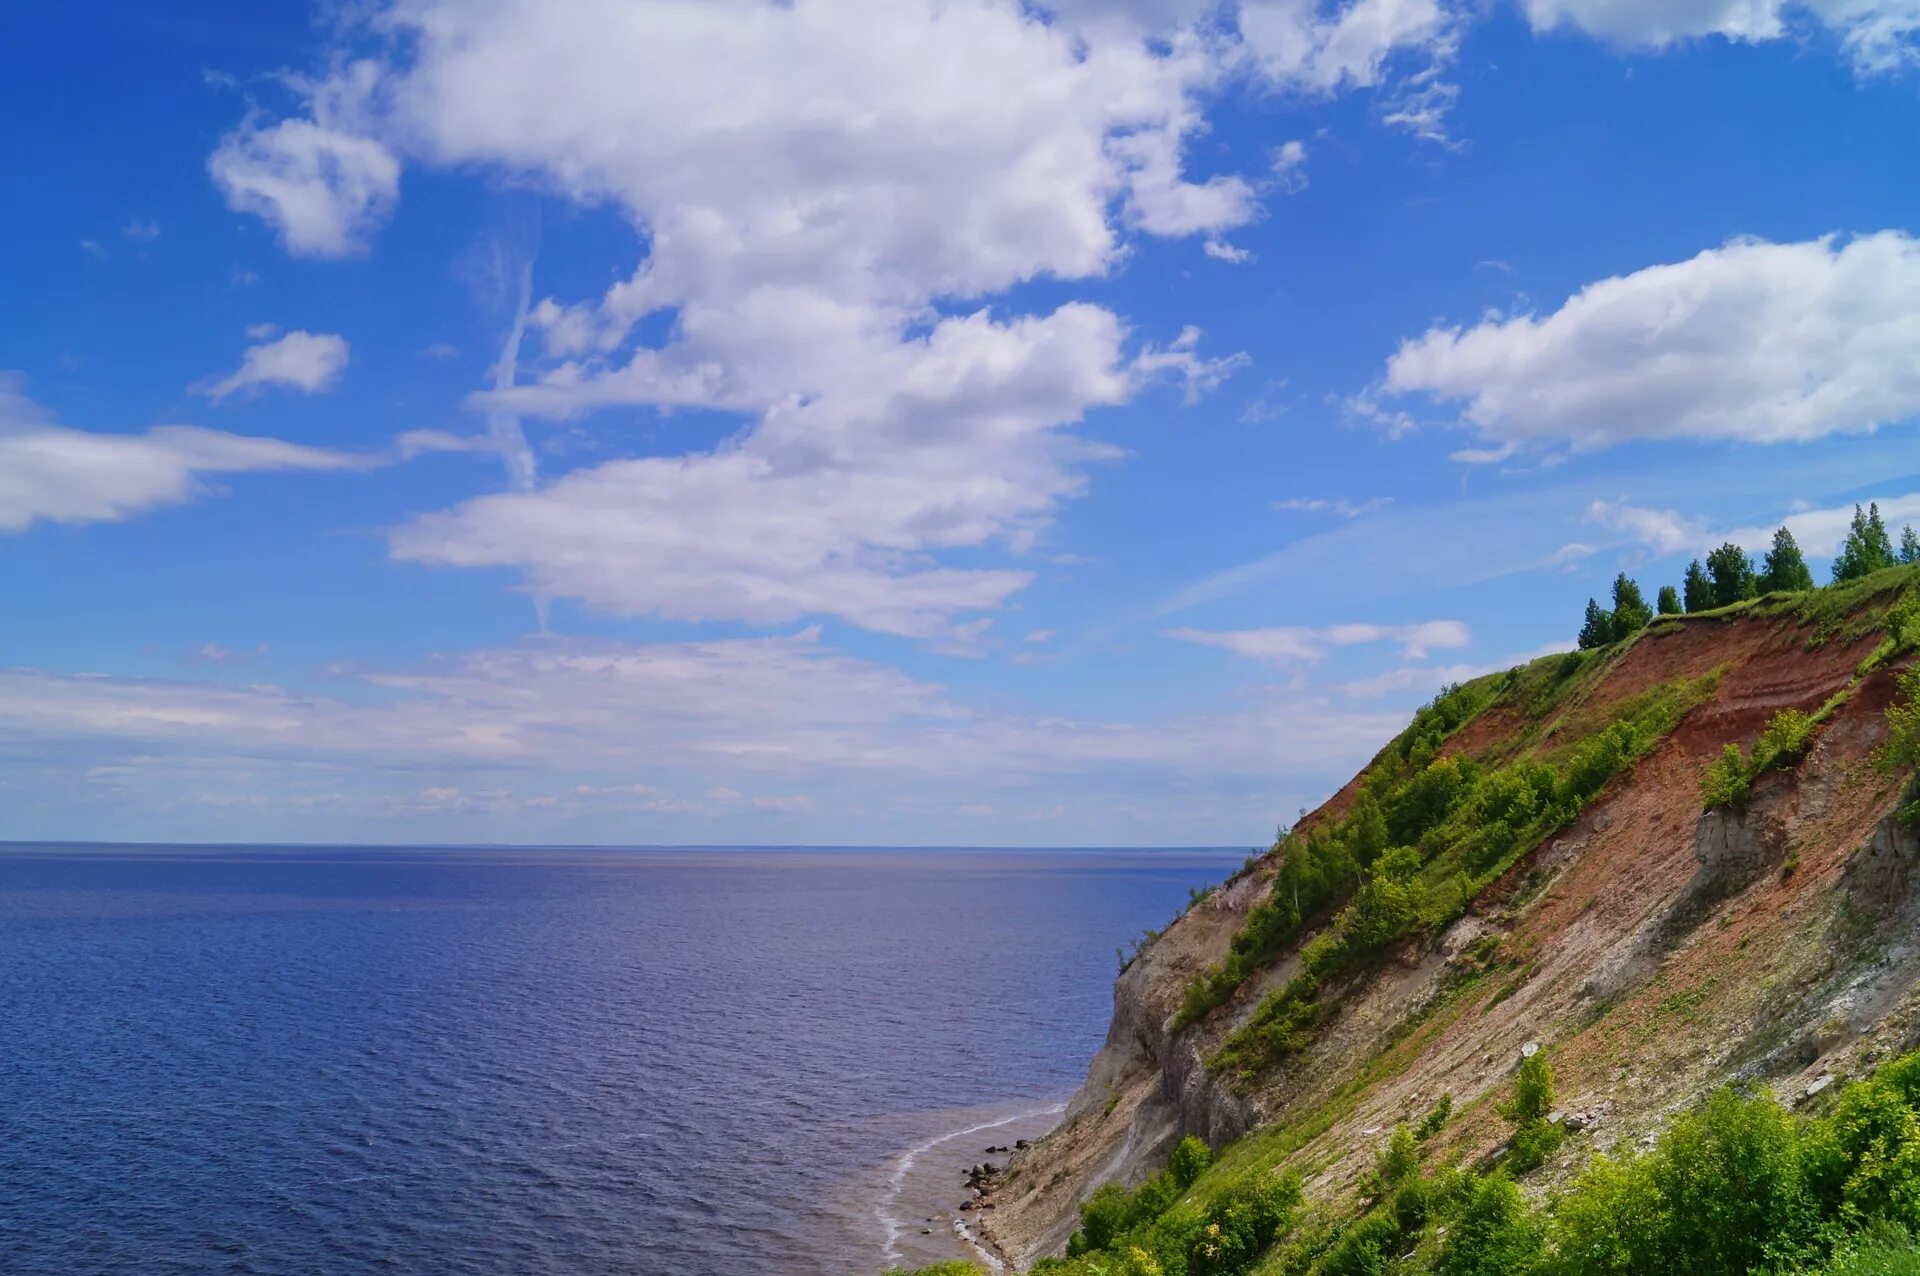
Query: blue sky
(894, 420)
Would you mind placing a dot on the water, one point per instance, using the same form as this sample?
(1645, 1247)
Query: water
(703, 1063)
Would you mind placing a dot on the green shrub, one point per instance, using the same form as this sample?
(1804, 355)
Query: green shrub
(1724, 786)
(1399, 1160)
(1903, 620)
(1189, 1161)
(1532, 1143)
(1532, 1088)
(1103, 1216)
(1731, 1178)
(1884, 1252)
(1611, 1221)
(1435, 1119)
(1902, 749)
(1367, 1248)
(1495, 1234)
(1785, 740)
(1864, 1161)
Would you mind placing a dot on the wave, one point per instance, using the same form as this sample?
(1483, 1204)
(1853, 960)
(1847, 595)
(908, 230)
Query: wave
(886, 1208)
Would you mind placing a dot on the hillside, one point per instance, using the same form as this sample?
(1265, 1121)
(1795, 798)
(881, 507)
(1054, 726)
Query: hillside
(1528, 868)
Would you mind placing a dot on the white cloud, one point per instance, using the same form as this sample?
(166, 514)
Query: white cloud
(321, 188)
(831, 507)
(1302, 45)
(1818, 531)
(803, 729)
(1337, 505)
(412, 443)
(214, 653)
(1877, 34)
(805, 198)
(1570, 555)
(1220, 250)
(1821, 532)
(1753, 341)
(1182, 360)
(1663, 531)
(1291, 643)
(1428, 678)
(1290, 166)
(52, 473)
(137, 229)
(304, 361)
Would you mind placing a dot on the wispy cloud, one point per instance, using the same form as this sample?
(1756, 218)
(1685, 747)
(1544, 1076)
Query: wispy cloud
(1289, 643)
(1337, 505)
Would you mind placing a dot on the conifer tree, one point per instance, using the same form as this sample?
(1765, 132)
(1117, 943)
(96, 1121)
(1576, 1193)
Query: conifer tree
(1909, 545)
(1630, 610)
(1697, 590)
(1732, 572)
(1598, 629)
(1785, 567)
(1868, 548)
(1669, 601)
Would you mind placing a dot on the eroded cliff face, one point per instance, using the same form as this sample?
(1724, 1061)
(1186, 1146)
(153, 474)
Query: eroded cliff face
(1657, 951)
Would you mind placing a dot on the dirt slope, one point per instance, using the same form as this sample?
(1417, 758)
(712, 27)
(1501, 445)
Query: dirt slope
(1655, 950)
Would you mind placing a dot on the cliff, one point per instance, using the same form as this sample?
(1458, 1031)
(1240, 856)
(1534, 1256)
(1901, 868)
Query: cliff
(1654, 948)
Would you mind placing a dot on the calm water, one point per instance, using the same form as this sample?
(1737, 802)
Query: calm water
(511, 1061)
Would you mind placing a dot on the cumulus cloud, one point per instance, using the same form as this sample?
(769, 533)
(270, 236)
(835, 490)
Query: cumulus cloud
(1305, 45)
(1754, 341)
(812, 202)
(321, 188)
(1877, 34)
(1291, 643)
(305, 361)
(831, 507)
(52, 473)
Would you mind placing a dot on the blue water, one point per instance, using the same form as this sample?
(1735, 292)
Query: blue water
(513, 1061)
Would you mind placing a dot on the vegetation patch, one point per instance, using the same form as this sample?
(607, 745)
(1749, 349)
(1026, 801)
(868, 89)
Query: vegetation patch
(1414, 851)
(1736, 1185)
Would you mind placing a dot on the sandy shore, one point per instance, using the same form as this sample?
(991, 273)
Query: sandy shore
(908, 1213)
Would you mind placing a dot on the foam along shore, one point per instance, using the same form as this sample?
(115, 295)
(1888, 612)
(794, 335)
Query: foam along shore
(915, 1216)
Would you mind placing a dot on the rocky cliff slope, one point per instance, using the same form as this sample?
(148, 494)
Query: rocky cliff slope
(1653, 947)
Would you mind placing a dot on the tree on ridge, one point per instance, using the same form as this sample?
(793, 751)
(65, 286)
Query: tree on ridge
(1785, 566)
(1598, 629)
(1697, 589)
(1630, 610)
(1732, 573)
(1867, 548)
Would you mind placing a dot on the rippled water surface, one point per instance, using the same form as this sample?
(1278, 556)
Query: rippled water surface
(512, 1061)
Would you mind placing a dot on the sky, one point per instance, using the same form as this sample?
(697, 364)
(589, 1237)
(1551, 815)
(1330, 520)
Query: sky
(927, 422)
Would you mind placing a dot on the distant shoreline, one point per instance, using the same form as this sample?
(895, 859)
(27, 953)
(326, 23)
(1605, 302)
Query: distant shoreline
(7, 844)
